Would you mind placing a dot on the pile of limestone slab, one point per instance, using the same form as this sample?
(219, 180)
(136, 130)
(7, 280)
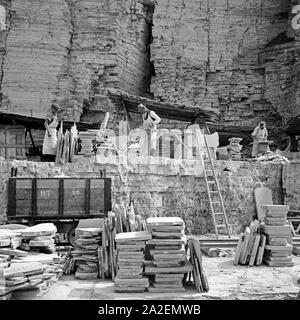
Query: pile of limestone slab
(27, 258)
(168, 254)
(130, 261)
(88, 240)
(153, 260)
(278, 252)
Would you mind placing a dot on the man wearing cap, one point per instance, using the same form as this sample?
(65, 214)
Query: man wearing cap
(50, 138)
(150, 122)
(260, 133)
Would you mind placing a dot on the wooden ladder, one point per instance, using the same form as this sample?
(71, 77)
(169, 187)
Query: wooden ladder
(216, 202)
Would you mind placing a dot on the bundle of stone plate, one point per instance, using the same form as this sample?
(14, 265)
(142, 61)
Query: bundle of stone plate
(278, 252)
(29, 270)
(167, 249)
(130, 259)
(88, 240)
(234, 148)
(86, 138)
(39, 238)
(9, 240)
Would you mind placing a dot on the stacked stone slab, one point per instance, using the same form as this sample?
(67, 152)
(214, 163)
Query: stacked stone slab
(86, 139)
(278, 252)
(130, 261)
(168, 252)
(85, 254)
(235, 148)
(40, 237)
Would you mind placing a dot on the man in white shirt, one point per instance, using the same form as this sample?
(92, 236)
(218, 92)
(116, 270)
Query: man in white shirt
(260, 133)
(150, 122)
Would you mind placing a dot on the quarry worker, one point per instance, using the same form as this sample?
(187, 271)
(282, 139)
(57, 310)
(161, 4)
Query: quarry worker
(50, 139)
(150, 122)
(260, 133)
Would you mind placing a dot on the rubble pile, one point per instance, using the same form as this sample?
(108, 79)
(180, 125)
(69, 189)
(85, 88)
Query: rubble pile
(272, 156)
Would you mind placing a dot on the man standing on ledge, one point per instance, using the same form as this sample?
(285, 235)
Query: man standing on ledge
(50, 139)
(260, 133)
(150, 122)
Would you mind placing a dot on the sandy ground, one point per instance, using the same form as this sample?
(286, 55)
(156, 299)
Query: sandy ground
(226, 281)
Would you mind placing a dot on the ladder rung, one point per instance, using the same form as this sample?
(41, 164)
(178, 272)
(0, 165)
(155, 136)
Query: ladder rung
(214, 202)
(219, 213)
(213, 191)
(220, 225)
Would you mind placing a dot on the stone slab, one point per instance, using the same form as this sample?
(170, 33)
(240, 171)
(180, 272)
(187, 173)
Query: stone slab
(154, 221)
(263, 196)
(126, 237)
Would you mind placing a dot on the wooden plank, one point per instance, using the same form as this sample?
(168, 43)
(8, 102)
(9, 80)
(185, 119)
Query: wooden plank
(23, 194)
(74, 203)
(45, 183)
(11, 146)
(107, 195)
(254, 250)
(11, 197)
(22, 183)
(97, 183)
(47, 194)
(87, 196)
(97, 193)
(74, 194)
(50, 207)
(74, 184)
(34, 198)
(74, 211)
(61, 197)
(238, 250)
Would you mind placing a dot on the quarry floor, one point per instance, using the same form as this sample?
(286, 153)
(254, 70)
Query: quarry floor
(226, 282)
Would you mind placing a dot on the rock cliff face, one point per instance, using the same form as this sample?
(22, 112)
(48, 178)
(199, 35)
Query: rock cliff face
(238, 56)
(233, 55)
(68, 50)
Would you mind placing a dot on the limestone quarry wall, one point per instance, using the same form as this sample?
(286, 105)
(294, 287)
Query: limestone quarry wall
(170, 190)
(291, 184)
(237, 56)
(68, 50)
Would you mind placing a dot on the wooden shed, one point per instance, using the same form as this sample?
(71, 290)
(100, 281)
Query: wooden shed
(12, 141)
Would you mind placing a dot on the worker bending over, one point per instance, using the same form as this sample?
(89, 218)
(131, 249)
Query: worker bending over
(260, 133)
